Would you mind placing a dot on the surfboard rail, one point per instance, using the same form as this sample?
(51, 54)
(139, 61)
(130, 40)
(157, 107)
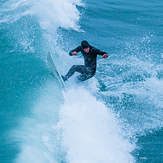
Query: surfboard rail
(55, 70)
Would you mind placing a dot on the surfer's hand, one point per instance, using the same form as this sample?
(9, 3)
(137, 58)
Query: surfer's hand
(105, 56)
(74, 53)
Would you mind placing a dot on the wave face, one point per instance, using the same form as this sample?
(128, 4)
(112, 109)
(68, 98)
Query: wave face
(116, 116)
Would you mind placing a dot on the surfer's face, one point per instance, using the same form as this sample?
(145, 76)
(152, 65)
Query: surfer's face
(87, 50)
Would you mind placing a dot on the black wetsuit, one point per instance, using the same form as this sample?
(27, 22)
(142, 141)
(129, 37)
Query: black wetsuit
(90, 61)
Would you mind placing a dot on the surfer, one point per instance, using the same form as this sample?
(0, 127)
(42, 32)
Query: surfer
(90, 56)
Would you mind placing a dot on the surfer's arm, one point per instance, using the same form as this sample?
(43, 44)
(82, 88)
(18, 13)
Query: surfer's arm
(103, 53)
(75, 51)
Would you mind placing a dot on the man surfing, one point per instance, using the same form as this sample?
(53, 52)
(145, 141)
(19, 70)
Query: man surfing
(90, 61)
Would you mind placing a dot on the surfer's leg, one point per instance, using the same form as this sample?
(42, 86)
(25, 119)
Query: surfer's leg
(84, 77)
(76, 68)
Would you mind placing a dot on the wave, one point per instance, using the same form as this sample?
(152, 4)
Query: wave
(77, 129)
(91, 123)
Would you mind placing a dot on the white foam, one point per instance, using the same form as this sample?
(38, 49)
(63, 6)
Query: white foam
(90, 131)
(51, 14)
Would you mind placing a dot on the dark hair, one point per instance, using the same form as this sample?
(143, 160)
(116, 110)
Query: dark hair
(85, 44)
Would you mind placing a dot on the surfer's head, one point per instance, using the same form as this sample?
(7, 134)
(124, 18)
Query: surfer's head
(85, 45)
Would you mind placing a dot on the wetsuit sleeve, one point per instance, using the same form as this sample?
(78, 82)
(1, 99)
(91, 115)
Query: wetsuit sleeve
(78, 49)
(100, 52)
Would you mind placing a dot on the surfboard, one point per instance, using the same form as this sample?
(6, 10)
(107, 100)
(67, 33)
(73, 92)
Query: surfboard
(55, 70)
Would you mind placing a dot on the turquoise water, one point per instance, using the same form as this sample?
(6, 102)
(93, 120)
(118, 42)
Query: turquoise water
(114, 117)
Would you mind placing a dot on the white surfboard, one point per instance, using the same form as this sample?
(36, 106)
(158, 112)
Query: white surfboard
(55, 71)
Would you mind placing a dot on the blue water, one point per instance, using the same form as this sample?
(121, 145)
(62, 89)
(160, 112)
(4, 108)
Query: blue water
(116, 116)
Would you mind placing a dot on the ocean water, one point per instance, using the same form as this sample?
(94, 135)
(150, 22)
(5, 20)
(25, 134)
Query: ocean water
(116, 116)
